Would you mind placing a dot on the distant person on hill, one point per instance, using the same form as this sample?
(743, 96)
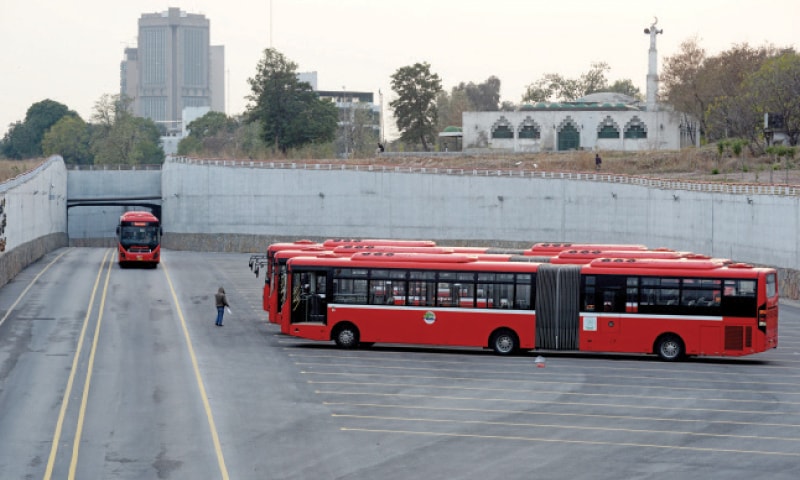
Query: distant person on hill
(597, 161)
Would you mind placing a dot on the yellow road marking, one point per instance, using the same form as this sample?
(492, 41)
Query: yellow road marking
(76, 445)
(214, 436)
(48, 473)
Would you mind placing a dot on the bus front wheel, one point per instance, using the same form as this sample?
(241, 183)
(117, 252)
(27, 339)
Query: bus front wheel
(670, 347)
(504, 342)
(346, 336)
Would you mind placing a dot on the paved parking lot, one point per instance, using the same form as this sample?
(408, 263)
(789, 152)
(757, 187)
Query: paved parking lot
(581, 416)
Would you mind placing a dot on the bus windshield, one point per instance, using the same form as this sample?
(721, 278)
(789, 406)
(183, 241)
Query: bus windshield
(131, 235)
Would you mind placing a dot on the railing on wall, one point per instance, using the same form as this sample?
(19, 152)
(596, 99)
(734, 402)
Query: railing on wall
(104, 167)
(660, 183)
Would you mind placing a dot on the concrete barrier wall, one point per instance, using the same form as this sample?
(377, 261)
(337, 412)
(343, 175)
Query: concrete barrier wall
(33, 220)
(204, 202)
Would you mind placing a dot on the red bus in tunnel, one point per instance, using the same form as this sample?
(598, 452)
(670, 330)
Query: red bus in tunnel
(139, 239)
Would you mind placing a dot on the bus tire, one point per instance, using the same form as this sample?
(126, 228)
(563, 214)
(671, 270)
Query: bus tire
(669, 347)
(346, 336)
(504, 342)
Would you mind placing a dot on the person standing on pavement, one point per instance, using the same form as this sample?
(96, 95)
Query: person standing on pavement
(222, 302)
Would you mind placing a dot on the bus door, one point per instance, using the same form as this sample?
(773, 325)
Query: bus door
(557, 291)
(309, 297)
(602, 309)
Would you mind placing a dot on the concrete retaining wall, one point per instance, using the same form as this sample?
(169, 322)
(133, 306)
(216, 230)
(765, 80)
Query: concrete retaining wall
(204, 201)
(33, 216)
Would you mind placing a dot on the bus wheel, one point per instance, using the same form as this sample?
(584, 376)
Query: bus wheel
(504, 342)
(346, 336)
(669, 347)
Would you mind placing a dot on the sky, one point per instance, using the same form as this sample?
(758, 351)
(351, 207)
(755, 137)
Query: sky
(70, 51)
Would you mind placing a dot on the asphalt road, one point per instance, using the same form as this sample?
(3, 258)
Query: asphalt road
(109, 373)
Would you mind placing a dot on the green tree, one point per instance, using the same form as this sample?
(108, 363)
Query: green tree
(213, 133)
(626, 87)
(120, 138)
(555, 87)
(713, 89)
(24, 140)
(290, 113)
(775, 89)
(484, 97)
(130, 141)
(415, 107)
(69, 137)
(450, 108)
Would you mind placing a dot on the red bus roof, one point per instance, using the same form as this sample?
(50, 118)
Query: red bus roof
(138, 216)
(330, 243)
(677, 267)
(351, 249)
(555, 248)
(586, 256)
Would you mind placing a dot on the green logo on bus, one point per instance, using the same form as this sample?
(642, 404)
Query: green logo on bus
(429, 317)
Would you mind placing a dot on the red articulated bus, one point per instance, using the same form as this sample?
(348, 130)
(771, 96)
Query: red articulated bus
(139, 239)
(279, 253)
(668, 307)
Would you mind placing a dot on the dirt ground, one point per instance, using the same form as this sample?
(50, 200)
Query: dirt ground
(703, 165)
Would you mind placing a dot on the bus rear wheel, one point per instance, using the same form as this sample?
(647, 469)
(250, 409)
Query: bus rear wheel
(504, 342)
(670, 347)
(346, 336)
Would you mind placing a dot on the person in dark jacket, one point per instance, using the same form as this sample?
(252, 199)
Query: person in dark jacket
(222, 302)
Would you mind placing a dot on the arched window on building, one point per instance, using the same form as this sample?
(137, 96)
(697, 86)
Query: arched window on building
(502, 129)
(635, 129)
(608, 129)
(529, 130)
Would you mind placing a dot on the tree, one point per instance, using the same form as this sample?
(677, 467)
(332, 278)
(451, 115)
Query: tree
(450, 108)
(120, 138)
(289, 112)
(213, 133)
(712, 89)
(553, 86)
(595, 79)
(415, 107)
(130, 141)
(626, 87)
(683, 84)
(775, 89)
(24, 140)
(69, 137)
(484, 97)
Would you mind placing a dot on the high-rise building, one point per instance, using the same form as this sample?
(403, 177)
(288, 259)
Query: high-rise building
(173, 67)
